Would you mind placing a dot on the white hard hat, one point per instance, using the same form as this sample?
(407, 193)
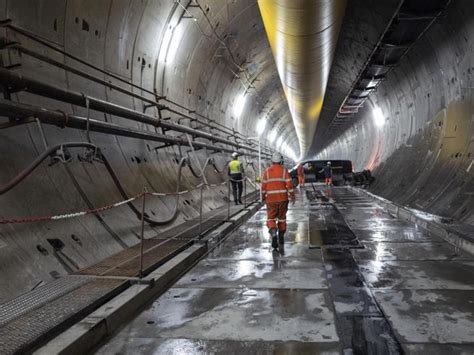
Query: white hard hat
(235, 155)
(329, 163)
(277, 157)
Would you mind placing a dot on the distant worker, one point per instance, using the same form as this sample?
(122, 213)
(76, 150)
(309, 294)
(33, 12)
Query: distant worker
(327, 170)
(236, 175)
(300, 173)
(276, 186)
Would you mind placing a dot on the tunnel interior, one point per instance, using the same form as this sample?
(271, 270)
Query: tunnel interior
(143, 85)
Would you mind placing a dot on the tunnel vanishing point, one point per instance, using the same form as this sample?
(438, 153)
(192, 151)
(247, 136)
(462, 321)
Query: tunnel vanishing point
(118, 229)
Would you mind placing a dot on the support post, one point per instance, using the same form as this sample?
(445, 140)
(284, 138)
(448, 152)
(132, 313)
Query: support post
(228, 198)
(260, 169)
(140, 274)
(200, 211)
(245, 191)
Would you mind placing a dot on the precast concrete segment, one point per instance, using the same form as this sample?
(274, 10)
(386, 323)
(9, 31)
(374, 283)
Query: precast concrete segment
(362, 327)
(303, 36)
(29, 320)
(125, 41)
(233, 288)
(86, 334)
(414, 277)
(421, 154)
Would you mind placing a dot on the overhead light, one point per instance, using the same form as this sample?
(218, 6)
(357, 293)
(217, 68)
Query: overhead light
(279, 142)
(261, 124)
(174, 43)
(239, 105)
(272, 136)
(379, 118)
(291, 153)
(288, 151)
(165, 43)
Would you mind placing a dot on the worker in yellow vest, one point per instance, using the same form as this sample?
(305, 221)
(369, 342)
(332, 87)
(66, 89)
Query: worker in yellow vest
(236, 175)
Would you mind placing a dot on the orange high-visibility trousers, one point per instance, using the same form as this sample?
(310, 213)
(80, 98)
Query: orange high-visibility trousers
(328, 181)
(301, 180)
(276, 215)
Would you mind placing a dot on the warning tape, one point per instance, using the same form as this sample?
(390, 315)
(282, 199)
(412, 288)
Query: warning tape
(100, 209)
(68, 215)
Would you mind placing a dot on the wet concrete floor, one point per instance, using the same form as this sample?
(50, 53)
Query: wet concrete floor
(351, 279)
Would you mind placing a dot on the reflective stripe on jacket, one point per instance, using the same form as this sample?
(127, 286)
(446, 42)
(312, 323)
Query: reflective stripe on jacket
(276, 184)
(235, 167)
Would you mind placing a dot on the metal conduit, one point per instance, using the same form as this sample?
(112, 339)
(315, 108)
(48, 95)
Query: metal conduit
(63, 119)
(303, 36)
(8, 24)
(6, 44)
(33, 165)
(15, 81)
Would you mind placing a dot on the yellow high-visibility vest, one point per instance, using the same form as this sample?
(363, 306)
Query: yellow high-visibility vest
(234, 167)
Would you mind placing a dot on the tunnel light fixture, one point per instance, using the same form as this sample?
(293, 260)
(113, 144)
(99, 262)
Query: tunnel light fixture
(272, 136)
(379, 118)
(288, 151)
(261, 124)
(175, 41)
(291, 153)
(239, 105)
(170, 43)
(165, 43)
(279, 142)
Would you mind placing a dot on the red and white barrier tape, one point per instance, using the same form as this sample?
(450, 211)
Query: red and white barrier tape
(99, 209)
(68, 215)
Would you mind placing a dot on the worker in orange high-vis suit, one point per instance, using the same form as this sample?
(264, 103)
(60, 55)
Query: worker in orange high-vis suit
(276, 188)
(300, 173)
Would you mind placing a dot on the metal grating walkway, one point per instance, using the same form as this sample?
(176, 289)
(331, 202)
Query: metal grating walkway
(35, 317)
(39, 297)
(27, 330)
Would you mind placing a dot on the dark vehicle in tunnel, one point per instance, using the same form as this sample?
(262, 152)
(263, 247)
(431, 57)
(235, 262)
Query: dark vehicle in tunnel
(341, 170)
(117, 123)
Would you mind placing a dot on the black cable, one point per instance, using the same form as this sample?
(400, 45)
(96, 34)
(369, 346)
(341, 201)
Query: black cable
(51, 151)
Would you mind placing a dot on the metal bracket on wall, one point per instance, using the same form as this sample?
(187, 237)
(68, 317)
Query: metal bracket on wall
(408, 24)
(165, 145)
(61, 155)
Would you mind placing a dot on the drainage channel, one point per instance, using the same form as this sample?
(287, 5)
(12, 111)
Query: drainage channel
(362, 326)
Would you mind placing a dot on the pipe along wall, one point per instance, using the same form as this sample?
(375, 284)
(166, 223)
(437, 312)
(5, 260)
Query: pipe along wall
(125, 39)
(214, 59)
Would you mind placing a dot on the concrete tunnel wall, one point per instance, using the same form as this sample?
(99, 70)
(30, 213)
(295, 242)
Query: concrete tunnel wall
(124, 37)
(428, 121)
(423, 155)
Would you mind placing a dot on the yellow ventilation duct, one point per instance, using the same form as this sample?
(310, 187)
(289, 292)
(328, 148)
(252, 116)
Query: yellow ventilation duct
(303, 36)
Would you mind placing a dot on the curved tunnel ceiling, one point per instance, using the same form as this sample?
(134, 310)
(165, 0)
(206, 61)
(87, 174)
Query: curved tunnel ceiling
(303, 36)
(213, 56)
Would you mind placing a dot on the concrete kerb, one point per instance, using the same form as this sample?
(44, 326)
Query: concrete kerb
(85, 335)
(425, 220)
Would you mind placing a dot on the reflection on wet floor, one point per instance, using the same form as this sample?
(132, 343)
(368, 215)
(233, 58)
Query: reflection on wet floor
(351, 278)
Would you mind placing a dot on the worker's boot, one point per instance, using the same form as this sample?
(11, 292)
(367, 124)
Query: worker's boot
(273, 233)
(281, 239)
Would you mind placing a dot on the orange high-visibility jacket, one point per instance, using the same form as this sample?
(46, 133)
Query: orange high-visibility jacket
(276, 184)
(300, 170)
